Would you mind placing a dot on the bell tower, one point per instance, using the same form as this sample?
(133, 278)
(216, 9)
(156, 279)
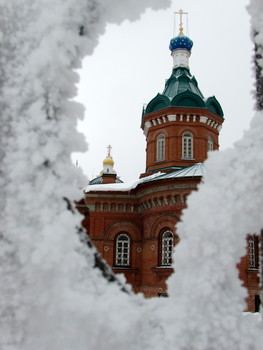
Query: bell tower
(180, 124)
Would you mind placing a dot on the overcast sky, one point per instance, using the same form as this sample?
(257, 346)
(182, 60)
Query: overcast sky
(130, 66)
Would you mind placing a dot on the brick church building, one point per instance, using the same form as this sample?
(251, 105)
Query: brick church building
(133, 225)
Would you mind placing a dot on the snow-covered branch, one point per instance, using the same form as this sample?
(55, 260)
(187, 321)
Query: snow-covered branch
(49, 288)
(256, 11)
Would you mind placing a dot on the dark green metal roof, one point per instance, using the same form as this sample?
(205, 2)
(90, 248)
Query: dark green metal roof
(181, 90)
(180, 81)
(194, 170)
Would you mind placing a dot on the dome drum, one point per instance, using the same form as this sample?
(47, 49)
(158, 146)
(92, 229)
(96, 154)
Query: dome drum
(181, 58)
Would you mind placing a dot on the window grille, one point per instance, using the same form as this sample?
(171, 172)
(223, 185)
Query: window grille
(122, 250)
(210, 144)
(160, 148)
(253, 251)
(167, 248)
(187, 146)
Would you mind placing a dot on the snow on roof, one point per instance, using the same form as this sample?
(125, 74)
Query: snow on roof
(191, 171)
(126, 186)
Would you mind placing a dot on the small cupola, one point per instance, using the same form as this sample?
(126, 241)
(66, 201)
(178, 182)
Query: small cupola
(180, 47)
(108, 174)
(108, 163)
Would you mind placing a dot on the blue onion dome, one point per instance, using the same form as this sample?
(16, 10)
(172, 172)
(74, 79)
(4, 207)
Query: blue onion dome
(181, 42)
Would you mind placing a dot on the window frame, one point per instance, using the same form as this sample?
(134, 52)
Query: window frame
(160, 148)
(167, 245)
(210, 143)
(253, 251)
(187, 145)
(122, 257)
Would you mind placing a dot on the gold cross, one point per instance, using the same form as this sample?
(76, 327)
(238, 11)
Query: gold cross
(109, 149)
(181, 13)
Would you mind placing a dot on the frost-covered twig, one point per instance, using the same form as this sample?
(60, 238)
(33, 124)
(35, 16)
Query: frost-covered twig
(52, 297)
(258, 60)
(256, 11)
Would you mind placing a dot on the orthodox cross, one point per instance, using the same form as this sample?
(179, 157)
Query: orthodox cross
(181, 13)
(109, 149)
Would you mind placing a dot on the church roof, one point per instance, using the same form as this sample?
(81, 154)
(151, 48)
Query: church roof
(196, 170)
(181, 80)
(181, 90)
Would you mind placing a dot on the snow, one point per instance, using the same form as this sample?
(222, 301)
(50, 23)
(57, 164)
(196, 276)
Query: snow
(51, 296)
(212, 232)
(126, 186)
(191, 171)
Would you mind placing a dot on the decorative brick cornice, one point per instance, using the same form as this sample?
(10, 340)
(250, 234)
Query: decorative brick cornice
(161, 202)
(180, 118)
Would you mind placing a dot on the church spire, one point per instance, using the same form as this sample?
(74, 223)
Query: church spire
(181, 46)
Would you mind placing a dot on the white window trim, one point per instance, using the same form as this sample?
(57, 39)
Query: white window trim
(252, 251)
(160, 148)
(187, 145)
(210, 143)
(167, 247)
(122, 250)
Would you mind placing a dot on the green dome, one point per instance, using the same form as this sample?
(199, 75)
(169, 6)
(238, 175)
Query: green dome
(181, 90)
(181, 80)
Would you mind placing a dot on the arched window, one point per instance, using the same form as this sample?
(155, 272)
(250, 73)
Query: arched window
(210, 144)
(160, 148)
(187, 146)
(253, 251)
(122, 250)
(167, 247)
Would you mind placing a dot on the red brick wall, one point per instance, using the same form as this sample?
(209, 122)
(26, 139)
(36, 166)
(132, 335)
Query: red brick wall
(173, 131)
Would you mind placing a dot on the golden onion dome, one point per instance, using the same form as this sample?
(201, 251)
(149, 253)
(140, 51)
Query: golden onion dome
(108, 161)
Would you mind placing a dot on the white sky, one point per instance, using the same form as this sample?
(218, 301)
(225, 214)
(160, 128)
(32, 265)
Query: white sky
(130, 65)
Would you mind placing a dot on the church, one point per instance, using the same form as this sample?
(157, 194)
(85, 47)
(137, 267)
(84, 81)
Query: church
(133, 225)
